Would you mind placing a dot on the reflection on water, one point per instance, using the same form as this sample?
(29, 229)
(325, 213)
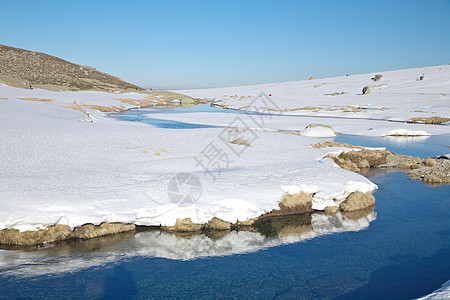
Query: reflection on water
(76, 255)
(423, 146)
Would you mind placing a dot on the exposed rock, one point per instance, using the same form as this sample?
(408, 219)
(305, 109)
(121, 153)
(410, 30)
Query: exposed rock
(343, 163)
(331, 210)
(429, 120)
(187, 102)
(377, 77)
(184, 225)
(246, 223)
(402, 161)
(433, 171)
(429, 162)
(240, 141)
(336, 94)
(295, 204)
(88, 231)
(431, 179)
(366, 90)
(60, 232)
(311, 78)
(28, 238)
(357, 201)
(335, 144)
(218, 224)
(364, 158)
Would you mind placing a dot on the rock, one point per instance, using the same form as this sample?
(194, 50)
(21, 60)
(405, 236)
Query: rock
(28, 238)
(344, 164)
(218, 224)
(246, 222)
(240, 141)
(431, 179)
(364, 158)
(187, 102)
(295, 204)
(429, 162)
(357, 201)
(377, 77)
(61, 232)
(402, 161)
(436, 172)
(366, 90)
(88, 231)
(331, 210)
(335, 144)
(311, 78)
(429, 120)
(184, 225)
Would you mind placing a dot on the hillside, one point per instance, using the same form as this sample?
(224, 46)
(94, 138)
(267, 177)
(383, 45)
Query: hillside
(22, 68)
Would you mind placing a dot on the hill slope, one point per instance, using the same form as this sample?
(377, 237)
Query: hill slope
(22, 68)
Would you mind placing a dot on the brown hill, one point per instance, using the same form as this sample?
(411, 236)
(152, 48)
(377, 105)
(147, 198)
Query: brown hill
(25, 69)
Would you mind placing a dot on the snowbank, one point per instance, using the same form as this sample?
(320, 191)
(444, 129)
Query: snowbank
(58, 168)
(406, 132)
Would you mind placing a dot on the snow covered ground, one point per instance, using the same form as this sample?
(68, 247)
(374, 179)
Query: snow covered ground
(398, 96)
(60, 165)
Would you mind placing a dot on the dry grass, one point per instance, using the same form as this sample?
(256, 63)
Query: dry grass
(336, 94)
(291, 132)
(348, 108)
(429, 120)
(104, 108)
(318, 85)
(78, 107)
(37, 99)
(146, 102)
(334, 144)
(313, 125)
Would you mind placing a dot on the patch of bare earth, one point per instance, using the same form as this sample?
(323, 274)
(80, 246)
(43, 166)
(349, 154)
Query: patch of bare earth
(429, 170)
(37, 99)
(429, 120)
(60, 232)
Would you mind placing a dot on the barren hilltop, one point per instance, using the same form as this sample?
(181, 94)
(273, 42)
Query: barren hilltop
(27, 69)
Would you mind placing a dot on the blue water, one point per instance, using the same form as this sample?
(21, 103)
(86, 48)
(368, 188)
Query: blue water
(403, 254)
(432, 146)
(142, 115)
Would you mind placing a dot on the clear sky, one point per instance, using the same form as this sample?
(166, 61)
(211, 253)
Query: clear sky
(193, 44)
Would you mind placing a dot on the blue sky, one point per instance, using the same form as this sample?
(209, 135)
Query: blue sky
(193, 44)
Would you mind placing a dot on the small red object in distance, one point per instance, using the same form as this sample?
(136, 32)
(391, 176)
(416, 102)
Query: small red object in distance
(270, 95)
